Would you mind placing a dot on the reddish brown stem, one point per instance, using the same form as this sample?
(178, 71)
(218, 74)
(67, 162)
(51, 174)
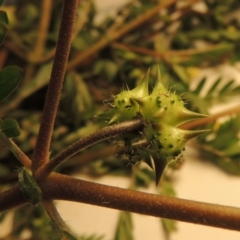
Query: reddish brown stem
(66, 188)
(41, 152)
(18, 153)
(12, 198)
(100, 135)
(55, 217)
(62, 187)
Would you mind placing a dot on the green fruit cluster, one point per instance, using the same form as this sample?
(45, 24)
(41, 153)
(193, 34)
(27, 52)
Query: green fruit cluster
(162, 112)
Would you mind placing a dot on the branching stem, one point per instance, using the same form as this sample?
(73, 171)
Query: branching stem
(98, 136)
(18, 153)
(112, 36)
(63, 187)
(12, 198)
(70, 189)
(41, 152)
(56, 218)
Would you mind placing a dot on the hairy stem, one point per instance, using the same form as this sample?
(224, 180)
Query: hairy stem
(56, 218)
(65, 188)
(12, 198)
(98, 136)
(41, 152)
(62, 187)
(17, 152)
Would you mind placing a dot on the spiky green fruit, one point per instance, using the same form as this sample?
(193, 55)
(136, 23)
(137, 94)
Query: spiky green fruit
(166, 107)
(162, 112)
(125, 104)
(166, 143)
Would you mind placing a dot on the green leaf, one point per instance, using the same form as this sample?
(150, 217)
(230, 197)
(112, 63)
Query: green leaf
(1, 2)
(10, 127)
(3, 25)
(29, 187)
(226, 87)
(213, 87)
(9, 79)
(124, 227)
(200, 86)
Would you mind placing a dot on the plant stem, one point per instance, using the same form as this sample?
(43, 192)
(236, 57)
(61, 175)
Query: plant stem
(140, 50)
(17, 152)
(112, 36)
(55, 217)
(66, 188)
(12, 198)
(81, 58)
(86, 157)
(41, 152)
(204, 121)
(168, 55)
(46, 7)
(63, 187)
(98, 136)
